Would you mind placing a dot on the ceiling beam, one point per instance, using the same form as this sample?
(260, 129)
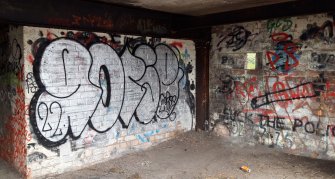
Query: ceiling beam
(286, 9)
(88, 15)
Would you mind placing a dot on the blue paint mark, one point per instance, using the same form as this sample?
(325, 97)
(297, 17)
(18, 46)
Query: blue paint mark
(146, 136)
(183, 81)
(117, 134)
(141, 139)
(185, 55)
(132, 129)
(283, 59)
(165, 125)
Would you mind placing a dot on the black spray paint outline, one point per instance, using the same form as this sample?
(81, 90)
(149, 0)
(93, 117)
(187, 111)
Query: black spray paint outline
(36, 71)
(267, 95)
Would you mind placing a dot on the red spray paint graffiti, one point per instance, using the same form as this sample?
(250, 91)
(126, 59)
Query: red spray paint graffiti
(16, 136)
(177, 44)
(285, 56)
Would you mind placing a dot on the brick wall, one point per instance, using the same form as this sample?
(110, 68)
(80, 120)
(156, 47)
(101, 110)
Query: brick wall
(288, 100)
(13, 133)
(94, 96)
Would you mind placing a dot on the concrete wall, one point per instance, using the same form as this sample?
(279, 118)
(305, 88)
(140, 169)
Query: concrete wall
(288, 101)
(85, 97)
(13, 133)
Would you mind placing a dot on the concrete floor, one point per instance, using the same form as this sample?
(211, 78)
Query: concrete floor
(7, 171)
(198, 155)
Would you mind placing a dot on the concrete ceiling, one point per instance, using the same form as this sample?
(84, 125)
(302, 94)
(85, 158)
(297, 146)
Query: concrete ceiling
(195, 7)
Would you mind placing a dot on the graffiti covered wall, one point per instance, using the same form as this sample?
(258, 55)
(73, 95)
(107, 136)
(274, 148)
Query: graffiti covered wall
(13, 127)
(287, 100)
(95, 96)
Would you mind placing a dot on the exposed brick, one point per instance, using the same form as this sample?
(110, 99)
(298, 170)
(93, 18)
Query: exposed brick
(74, 97)
(293, 87)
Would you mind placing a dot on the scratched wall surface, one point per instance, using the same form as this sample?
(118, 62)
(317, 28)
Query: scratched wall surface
(13, 133)
(94, 96)
(288, 101)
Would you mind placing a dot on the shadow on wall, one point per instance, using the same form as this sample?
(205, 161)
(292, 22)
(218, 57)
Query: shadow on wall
(10, 63)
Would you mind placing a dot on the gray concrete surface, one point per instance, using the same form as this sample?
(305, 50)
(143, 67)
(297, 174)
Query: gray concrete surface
(198, 155)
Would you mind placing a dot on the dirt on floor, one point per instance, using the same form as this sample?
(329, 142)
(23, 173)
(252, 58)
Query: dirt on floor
(7, 171)
(200, 155)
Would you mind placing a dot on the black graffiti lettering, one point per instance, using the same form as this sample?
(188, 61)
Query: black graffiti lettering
(271, 122)
(263, 120)
(227, 61)
(318, 130)
(36, 157)
(30, 83)
(324, 32)
(167, 102)
(277, 138)
(189, 86)
(268, 98)
(263, 123)
(330, 128)
(309, 127)
(236, 39)
(233, 61)
(142, 84)
(65, 50)
(60, 115)
(108, 83)
(322, 61)
(44, 118)
(319, 85)
(166, 59)
(280, 123)
(297, 123)
(147, 109)
(227, 85)
(248, 118)
(31, 145)
(235, 121)
(230, 114)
